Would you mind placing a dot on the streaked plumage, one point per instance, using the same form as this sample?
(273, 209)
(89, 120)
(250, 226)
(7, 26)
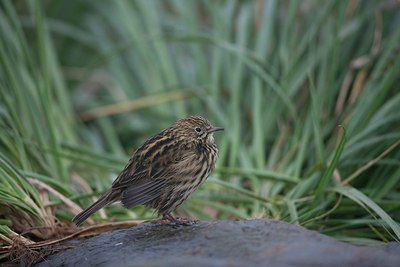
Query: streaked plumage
(165, 170)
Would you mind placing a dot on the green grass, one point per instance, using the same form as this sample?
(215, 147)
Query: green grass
(308, 94)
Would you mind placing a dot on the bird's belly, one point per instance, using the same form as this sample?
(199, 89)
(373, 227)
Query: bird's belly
(184, 183)
(177, 193)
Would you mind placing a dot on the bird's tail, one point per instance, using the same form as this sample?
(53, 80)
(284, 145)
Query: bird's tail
(109, 197)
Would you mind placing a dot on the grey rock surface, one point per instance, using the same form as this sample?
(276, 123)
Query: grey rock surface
(221, 243)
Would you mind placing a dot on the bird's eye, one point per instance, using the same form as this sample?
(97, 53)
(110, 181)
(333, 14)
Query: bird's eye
(198, 129)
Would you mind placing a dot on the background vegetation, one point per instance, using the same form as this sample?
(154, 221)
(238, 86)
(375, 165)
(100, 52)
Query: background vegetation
(84, 83)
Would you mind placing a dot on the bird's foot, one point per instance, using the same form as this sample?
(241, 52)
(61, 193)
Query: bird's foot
(168, 219)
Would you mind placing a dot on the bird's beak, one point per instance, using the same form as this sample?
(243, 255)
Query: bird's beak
(215, 129)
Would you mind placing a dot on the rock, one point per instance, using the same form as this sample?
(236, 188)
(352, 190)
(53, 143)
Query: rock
(221, 243)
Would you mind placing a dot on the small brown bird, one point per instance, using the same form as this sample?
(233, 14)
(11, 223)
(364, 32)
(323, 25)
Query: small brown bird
(164, 171)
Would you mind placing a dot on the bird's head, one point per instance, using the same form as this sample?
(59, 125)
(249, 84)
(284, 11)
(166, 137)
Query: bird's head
(197, 128)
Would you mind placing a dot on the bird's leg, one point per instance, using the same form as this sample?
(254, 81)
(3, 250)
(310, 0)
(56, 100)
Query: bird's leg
(168, 218)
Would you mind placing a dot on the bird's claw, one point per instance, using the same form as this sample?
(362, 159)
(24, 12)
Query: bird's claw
(168, 219)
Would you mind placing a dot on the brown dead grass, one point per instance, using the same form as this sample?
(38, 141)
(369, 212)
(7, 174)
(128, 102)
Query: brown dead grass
(30, 253)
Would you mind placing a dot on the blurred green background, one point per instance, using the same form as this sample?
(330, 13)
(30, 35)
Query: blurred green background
(308, 92)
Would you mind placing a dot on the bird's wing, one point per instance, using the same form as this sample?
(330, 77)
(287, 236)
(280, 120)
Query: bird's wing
(142, 180)
(142, 192)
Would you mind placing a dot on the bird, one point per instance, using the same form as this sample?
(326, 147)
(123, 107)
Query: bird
(164, 170)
